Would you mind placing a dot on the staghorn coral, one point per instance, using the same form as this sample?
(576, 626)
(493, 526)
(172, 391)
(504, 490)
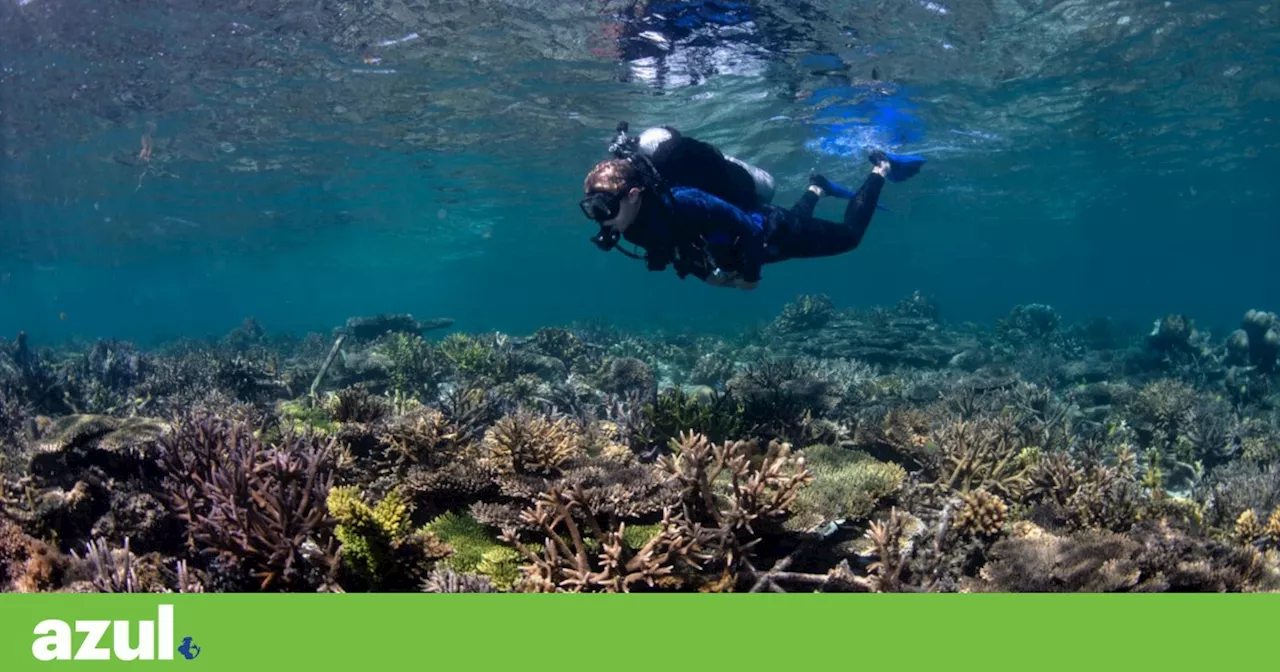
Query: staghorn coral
(258, 508)
(561, 344)
(719, 417)
(356, 404)
(1067, 491)
(567, 564)
(1247, 529)
(982, 453)
(413, 364)
(527, 442)
(780, 396)
(735, 493)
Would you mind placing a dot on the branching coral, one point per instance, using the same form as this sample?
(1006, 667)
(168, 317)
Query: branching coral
(1078, 494)
(378, 546)
(529, 442)
(780, 395)
(735, 491)
(567, 564)
(413, 364)
(719, 417)
(259, 508)
(562, 344)
(356, 404)
(983, 453)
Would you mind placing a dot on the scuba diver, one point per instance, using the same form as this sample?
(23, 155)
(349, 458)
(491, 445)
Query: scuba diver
(709, 215)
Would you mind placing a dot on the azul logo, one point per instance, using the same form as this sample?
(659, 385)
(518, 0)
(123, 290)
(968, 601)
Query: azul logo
(150, 640)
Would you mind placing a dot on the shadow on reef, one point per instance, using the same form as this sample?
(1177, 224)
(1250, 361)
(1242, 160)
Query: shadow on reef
(829, 450)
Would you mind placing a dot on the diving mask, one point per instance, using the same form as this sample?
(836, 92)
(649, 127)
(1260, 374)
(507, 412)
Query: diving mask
(601, 206)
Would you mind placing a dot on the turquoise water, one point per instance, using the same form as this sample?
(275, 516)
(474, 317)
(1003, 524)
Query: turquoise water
(310, 162)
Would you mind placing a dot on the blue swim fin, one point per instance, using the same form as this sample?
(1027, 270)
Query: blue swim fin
(901, 166)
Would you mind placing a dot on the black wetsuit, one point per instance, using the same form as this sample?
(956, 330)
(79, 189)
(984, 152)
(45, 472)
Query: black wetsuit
(697, 231)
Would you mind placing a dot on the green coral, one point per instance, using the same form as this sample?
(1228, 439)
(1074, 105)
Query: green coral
(502, 565)
(476, 549)
(636, 536)
(369, 535)
(847, 485)
(412, 363)
(300, 415)
(719, 418)
(467, 354)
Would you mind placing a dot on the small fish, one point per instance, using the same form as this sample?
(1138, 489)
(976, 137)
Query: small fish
(62, 316)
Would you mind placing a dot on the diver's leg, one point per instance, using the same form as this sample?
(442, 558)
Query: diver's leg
(803, 235)
(857, 214)
(803, 208)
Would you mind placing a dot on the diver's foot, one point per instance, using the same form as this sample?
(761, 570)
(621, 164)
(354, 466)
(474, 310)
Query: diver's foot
(819, 185)
(824, 187)
(881, 162)
(895, 167)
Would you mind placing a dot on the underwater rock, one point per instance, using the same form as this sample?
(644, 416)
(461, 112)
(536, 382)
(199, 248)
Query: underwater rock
(369, 328)
(544, 367)
(626, 374)
(1172, 333)
(897, 341)
(1095, 366)
(969, 360)
(1262, 337)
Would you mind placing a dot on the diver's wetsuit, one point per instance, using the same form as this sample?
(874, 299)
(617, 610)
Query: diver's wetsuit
(696, 231)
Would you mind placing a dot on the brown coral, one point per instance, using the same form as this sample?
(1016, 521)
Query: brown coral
(980, 514)
(983, 453)
(526, 442)
(27, 565)
(1153, 557)
(566, 563)
(254, 506)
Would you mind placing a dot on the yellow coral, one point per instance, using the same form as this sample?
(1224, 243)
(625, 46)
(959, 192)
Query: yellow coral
(1247, 527)
(368, 535)
(1273, 526)
(502, 565)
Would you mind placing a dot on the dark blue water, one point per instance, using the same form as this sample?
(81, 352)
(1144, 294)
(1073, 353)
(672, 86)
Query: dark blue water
(312, 161)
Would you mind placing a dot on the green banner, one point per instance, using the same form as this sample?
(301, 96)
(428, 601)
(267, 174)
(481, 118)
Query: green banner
(568, 632)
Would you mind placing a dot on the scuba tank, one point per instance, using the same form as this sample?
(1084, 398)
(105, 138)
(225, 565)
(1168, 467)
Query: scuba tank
(684, 161)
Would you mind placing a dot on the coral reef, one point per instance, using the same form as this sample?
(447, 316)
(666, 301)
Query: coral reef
(830, 450)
